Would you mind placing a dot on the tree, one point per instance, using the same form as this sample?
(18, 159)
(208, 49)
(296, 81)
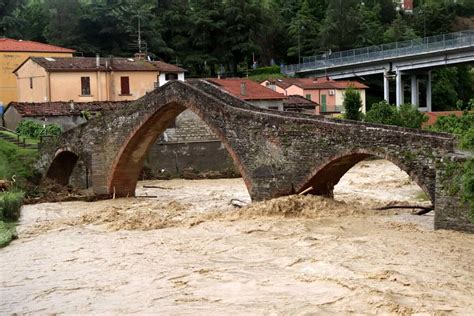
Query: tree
(341, 29)
(407, 116)
(352, 104)
(399, 30)
(303, 31)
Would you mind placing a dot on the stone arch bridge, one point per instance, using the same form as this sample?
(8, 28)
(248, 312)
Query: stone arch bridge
(277, 153)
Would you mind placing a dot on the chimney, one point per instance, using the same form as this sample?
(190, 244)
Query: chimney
(97, 60)
(243, 88)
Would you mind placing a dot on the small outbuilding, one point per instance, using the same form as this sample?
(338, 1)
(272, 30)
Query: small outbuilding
(66, 114)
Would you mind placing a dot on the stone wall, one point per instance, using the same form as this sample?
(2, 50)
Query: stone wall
(203, 157)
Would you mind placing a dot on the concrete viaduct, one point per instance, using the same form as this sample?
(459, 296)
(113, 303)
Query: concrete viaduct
(277, 153)
(412, 60)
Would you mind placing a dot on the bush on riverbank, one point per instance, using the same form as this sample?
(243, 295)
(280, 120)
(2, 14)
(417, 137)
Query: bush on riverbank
(463, 128)
(10, 205)
(7, 233)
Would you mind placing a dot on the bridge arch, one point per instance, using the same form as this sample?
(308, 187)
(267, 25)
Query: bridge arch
(326, 176)
(124, 173)
(61, 167)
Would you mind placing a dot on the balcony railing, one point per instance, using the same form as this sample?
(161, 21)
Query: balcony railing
(385, 51)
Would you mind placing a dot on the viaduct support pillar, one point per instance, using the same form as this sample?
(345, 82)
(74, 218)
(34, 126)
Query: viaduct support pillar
(428, 93)
(414, 91)
(399, 89)
(386, 87)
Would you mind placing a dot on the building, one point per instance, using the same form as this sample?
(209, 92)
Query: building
(251, 92)
(328, 93)
(65, 114)
(15, 52)
(90, 79)
(405, 5)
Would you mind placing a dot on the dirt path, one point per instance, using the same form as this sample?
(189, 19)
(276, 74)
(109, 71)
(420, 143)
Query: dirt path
(189, 252)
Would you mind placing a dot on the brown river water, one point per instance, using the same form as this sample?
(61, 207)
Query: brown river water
(190, 252)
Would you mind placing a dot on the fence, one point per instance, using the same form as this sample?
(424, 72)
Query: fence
(385, 51)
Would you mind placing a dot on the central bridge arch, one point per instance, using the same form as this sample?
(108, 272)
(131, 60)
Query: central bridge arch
(124, 174)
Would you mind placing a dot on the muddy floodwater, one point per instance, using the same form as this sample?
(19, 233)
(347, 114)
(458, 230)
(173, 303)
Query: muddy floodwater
(188, 251)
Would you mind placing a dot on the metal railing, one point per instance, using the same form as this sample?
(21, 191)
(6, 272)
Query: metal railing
(385, 51)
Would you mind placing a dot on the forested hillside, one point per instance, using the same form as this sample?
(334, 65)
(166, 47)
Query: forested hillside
(209, 36)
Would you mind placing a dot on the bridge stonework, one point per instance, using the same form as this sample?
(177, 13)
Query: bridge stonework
(277, 153)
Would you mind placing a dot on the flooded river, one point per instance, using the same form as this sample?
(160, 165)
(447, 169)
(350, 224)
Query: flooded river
(189, 251)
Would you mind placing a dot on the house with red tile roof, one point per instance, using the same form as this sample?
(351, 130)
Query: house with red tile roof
(90, 79)
(251, 92)
(328, 93)
(14, 52)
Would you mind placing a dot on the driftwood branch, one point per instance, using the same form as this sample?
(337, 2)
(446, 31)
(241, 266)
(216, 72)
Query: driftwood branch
(423, 209)
(306, 191)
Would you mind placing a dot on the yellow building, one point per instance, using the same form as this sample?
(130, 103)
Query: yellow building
(87, 79)
(12, 54)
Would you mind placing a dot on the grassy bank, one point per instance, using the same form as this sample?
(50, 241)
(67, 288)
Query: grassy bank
(16, 166)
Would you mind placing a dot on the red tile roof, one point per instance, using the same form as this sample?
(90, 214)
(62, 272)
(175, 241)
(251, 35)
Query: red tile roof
(12, 45)
(298, 100)
(433, 116)
(253, 90)
(318, 83)
(63, 108)
(66, 64)
(164, 67)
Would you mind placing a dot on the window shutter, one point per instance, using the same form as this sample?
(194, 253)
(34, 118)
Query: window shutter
(85, 86)
(125, 85)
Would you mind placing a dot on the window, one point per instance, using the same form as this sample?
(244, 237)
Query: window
(308, 96)
(31, 82)
(85, 86)
(124, 85)
(171, 77)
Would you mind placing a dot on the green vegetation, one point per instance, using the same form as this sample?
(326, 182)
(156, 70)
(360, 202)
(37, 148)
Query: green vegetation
(15, 167)
(10, 205)
(463, 128)
(406, 116)
(16, 161)
(352, 104)
(27, 140)
(208, 36)
(7, 233)
(34, 129)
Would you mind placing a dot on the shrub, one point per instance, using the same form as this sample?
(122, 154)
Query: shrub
(7, 233)
(382, 113)
(407, 116)
(10, 205)
(411, 117)
(352, 104)
(34, 129)
(462, 127)
(266, 70)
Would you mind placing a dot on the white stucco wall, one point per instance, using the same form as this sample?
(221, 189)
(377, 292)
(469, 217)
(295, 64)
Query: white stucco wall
(162, 78)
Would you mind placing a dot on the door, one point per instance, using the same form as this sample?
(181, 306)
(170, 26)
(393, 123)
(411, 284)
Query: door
(323, 103)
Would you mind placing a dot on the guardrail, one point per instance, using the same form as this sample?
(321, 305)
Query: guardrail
(385, 51)
(21, 140)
